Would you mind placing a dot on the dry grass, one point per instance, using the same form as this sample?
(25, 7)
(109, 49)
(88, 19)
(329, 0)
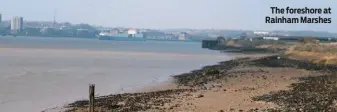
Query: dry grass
(316, 53)
(230, 43)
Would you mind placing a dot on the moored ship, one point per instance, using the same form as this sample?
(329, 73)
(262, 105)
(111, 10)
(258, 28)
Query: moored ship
(130, 35)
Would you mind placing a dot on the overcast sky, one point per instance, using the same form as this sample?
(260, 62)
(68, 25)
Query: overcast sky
(219, 14)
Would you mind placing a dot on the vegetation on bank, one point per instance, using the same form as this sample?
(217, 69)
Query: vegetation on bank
(306, 48)
(247, 45)
(314, 52)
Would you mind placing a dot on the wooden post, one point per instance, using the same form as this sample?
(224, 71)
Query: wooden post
(91, 97)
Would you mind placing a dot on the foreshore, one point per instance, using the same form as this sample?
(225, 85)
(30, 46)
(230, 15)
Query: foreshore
(253, 83)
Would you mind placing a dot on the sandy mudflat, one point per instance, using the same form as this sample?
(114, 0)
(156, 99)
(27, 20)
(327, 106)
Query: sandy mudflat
(236, 86)
(236, 92)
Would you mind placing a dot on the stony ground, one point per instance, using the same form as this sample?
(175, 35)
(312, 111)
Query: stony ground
(272, 83)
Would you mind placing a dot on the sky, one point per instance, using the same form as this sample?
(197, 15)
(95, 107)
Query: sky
(167, 14)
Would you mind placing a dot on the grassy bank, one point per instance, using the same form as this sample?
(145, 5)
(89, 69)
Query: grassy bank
(304, 49)
(254, 46)
(315, 53)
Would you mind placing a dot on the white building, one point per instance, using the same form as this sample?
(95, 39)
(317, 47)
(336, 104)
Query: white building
(132, 31)
(17, 24)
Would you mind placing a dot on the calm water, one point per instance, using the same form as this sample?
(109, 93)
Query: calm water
(39, 73)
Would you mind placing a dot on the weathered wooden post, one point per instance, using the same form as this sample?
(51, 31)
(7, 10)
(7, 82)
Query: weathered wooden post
(91, 97)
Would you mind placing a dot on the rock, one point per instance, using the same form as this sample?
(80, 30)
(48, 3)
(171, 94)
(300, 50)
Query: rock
(121, 103)
(203, 88)
(221, 111)
(209, 86)
(198, 96)
(115, 106)
(188, 94)
(301, 110)
(217, 85)
(217, 90)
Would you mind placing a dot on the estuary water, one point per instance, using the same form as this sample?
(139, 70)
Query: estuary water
(37, 73)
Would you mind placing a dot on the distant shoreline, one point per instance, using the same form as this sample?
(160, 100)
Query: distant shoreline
(95, 38)
(50, 37)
